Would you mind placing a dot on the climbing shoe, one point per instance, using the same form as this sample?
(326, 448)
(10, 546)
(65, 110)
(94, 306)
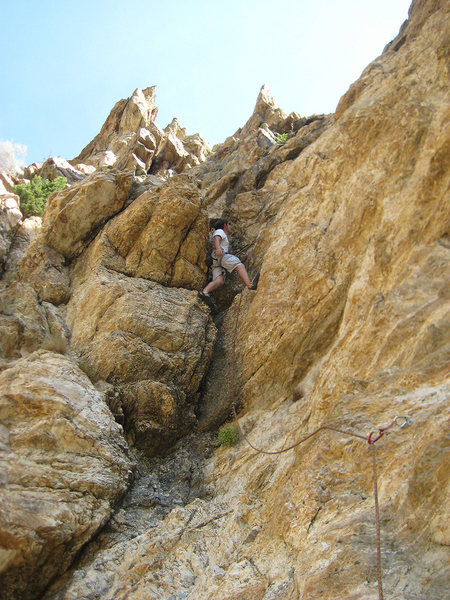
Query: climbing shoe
(206, 299)
(255, 282)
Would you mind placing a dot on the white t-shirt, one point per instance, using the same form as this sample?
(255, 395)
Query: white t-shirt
(224, 243)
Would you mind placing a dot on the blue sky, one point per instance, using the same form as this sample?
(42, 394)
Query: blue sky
(64, 64)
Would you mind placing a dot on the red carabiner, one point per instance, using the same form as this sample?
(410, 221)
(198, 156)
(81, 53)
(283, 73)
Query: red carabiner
(372, 441)
(381, 431)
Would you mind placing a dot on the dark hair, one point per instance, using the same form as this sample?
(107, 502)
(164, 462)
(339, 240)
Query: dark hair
(219, 224)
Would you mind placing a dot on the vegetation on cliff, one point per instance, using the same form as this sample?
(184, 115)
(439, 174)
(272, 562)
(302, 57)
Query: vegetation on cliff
(33, 196)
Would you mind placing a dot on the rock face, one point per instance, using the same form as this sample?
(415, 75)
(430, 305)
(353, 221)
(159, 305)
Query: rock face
(59, 167)
(25, 233)
(74, 215)
(106, 281)
(152, 342)
(64, 465)
(127, 117)
(346, 216)
(10, 218)
(161, 236)
(131, 139)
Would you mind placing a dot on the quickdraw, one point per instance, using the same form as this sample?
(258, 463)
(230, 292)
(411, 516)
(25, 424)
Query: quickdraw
(382, 430)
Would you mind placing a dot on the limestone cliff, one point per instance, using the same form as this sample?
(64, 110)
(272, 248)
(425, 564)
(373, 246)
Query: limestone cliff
(115, 377)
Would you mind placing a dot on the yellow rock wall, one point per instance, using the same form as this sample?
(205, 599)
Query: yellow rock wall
(348, 223)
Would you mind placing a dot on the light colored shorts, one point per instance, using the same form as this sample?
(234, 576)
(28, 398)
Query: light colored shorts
(229, 263)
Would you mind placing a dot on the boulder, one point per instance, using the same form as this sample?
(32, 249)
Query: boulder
(59, 167)
(73, 216)
(65, 464)
(45, 269)
(152, 342)
(10, 218)
(161, 236)
(27, 231)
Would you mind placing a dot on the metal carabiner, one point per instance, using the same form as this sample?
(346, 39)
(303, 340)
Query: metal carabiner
(406, 421)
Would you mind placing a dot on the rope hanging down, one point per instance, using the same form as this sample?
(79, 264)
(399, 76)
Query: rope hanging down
(370, 439)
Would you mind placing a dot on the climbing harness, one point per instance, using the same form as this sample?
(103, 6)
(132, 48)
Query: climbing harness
(401, 421)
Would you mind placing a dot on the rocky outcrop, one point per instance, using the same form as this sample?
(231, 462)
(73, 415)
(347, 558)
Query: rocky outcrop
(160, 236)
(236, 172)
(153, 343)
(126, 118)
(105, 284)
(74, 215)
(346, 217)
(10, 218)
(64, 466)
(59, 167)
(25, 233)
(131, 139)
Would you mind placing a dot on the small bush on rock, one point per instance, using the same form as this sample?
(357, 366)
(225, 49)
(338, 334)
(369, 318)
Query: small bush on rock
(228, 435)
(282, 138)
(33, 195)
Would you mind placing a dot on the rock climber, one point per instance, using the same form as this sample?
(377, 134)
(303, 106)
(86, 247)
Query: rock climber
(223, 261)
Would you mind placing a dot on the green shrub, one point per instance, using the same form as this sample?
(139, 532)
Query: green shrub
(282, 138)
(33, 195)
(228, 435)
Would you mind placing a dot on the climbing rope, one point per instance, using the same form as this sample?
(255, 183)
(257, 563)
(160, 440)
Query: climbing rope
(370, 439)
(247, 247)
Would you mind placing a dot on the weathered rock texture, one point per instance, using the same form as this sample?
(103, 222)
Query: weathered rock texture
(131, 139)
(27, 324)
(108, 282)
(161, 236)
(64, 465)
(152, 342)
(74, 215)
(26, 232)
(10, 218)
(346, 216)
